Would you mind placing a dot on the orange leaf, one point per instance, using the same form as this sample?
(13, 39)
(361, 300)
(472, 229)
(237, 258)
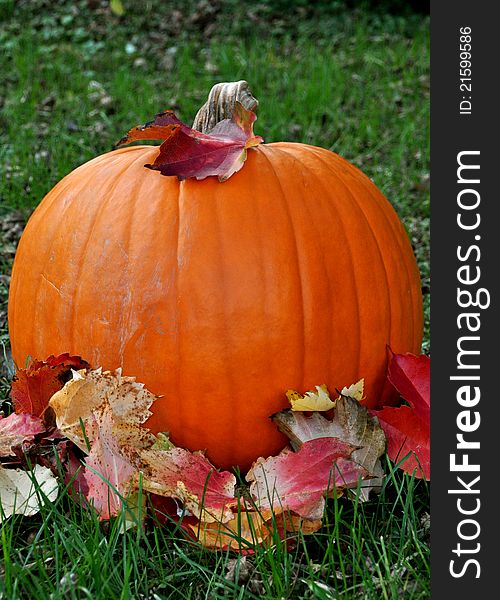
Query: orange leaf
(33, 387)
(250, 528)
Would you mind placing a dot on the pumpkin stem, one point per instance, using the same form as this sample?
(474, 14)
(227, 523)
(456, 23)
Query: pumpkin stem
(221, 102)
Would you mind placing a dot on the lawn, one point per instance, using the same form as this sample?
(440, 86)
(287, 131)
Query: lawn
(74, 77)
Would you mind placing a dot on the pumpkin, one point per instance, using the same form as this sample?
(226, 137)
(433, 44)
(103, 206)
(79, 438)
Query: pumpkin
(220, 297)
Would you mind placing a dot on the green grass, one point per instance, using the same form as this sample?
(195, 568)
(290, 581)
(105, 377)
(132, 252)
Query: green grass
(370, 551)
(74, 78)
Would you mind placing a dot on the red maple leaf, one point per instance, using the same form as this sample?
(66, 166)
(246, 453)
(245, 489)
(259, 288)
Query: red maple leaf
(408, 427)
(186, 152)
(299, 481)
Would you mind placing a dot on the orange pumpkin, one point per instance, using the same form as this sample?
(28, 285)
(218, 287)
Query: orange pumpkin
(220, 296)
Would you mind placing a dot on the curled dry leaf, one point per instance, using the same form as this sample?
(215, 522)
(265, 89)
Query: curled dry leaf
(17, 429)
(299, 481)
(186, 152)
(311, 401)
(355, 390)
(92, 392)
(249, 528)
(102, 413)
(408, 427)
(207, 493)
(33, 387)
(111, 464)
(23, 493)
(319, 400)
(350, 423)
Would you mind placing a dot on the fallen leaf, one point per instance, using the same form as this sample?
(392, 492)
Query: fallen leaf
(250, 528)
(91, 392)
(355, 390)
(117, 8)
(311, 401)
(243, 531)
(408, 427)
(320, 399)
(407, 435)
(350, 423)
(299, 481)
(102, 413)
(111, 464)
(205, 492)
(33, 387)
(237, 570)
(159, 128)
(74, 474)
(411, 376)
(16, 429)
(67, 360)
(186, 152)
(23, 492)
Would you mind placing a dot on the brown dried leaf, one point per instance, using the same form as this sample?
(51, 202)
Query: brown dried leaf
(102, 413)
(250, 528)
(93, 391)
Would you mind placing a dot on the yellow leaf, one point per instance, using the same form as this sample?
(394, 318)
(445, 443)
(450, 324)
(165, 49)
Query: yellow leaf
(249, 528)
(91, 392)
(355, 390)
(311, 401)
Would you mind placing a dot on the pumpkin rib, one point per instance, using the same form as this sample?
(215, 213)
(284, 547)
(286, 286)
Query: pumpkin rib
(101, 213)
(405, 247)
(297, 259)
(179, 203)
(312, 224)
(60, 224)
(225, 325)
(399, 235)
(390, 319)
(264, 276)
(332, 209)
(348, 246)
(190, 407)
(395, 238)
(376, 242)
(39, 213)
(135, 194)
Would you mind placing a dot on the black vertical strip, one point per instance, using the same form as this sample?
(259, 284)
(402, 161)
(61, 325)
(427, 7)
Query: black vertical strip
(470, 540)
